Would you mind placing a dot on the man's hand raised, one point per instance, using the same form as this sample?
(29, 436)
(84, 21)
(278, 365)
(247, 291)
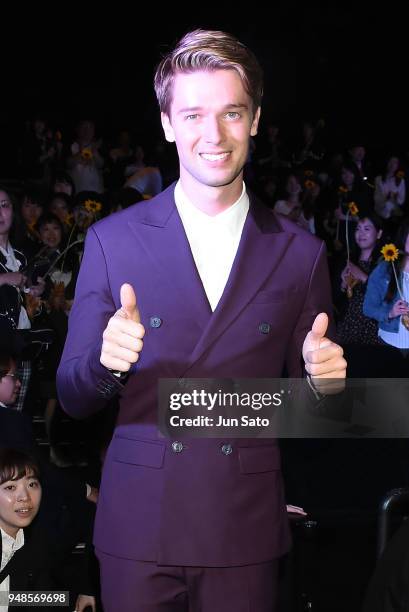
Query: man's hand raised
(122, 338)
(323, 358)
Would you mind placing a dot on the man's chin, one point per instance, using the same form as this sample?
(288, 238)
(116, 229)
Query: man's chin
(221, 181)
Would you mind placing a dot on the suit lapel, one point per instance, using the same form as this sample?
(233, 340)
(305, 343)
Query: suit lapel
(172, 290)
(262, 247)
(161, 234)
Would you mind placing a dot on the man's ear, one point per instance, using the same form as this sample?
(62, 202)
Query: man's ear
(254, 124)
(167, 127)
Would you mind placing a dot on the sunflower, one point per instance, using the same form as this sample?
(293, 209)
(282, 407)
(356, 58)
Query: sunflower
(353, 208)
(86, 154)
(32, 229)
(309, 184)
(343, 189)
(390, 252)
(92, 206)
(400, 174)
(308, 173)
(68, 219)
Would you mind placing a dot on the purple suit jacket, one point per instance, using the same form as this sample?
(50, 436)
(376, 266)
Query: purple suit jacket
(197, 507)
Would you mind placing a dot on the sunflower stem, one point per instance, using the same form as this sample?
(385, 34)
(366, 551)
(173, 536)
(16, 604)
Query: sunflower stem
(397, 282)
(51, 268)
(347, 235)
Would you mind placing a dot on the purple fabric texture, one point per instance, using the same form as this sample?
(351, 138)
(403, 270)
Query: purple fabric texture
(198, 507)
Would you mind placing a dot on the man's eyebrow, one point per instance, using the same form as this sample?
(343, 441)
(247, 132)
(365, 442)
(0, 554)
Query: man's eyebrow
(194, 109)
(189, 109)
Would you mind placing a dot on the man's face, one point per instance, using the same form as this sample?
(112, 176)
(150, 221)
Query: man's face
(19, 503)
(211, 121)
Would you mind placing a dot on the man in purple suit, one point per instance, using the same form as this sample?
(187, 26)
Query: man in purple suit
(201, 281)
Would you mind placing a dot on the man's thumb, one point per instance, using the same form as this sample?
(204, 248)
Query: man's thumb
(128, 303)
(320, 326)
(318, 330)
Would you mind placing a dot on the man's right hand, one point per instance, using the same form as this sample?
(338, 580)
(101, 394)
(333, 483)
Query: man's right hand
(122, 338)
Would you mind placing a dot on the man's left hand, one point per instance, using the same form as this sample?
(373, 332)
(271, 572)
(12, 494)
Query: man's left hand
(324, 358)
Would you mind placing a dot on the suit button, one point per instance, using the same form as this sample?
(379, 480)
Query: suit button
(177, 447)
(227, 449)
(155, 322)
(264, 328)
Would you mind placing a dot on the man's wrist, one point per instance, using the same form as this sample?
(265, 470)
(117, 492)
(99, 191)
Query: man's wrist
(317, 394)
(118, 374)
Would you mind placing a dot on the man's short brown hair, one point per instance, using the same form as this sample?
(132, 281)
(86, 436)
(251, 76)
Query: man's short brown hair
(208, 50)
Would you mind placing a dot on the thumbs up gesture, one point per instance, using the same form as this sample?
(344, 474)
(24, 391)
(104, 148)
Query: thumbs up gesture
(323, 358)
(122, 338)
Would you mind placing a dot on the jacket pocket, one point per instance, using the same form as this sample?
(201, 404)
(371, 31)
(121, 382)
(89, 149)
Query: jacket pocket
(138, 452)
(257, 459)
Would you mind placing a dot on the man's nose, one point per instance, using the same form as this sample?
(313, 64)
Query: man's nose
(213, 132)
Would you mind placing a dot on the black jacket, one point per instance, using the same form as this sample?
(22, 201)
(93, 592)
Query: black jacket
(10, 297)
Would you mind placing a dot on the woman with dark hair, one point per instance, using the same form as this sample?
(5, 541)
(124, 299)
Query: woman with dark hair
(9, 382)
(145, 178)
(386, 300)
(59, 268)
(349, 190)
(63, 183)
(390, 191)
(357, 332)
(31, 207)
(15, 426)
(13, 285)
(60, 205)
(20, 497)
(85, 162)
(34, 552)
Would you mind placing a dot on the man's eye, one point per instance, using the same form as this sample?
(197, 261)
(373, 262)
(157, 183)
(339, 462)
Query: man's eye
(191, 117)
(232, 115)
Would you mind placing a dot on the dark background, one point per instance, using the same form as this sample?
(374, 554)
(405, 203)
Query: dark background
(345, 63)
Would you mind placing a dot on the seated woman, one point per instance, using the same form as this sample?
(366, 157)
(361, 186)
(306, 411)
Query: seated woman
(147, 179)
(20, 497)
(60, 271)
(390, 191)
(32, 559)
(357, 333)
(290, 204)
(349, 189)
(386, 300)
(15, 425)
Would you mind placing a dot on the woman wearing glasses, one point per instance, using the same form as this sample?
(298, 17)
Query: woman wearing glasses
(13, 315)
